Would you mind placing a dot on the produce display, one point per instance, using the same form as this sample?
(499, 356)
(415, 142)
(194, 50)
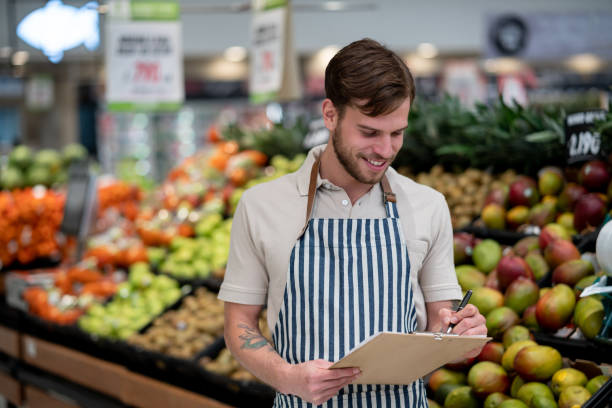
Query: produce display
(186, 331)
(179, 232)
(73, 291)
(580, 206)
(138, 301)
(116, 248)
(465, 192)
(29, 221)
(46, 167)
(121, 196)
(517, 373)
(514, 370)
(505, 289)
(201, 257)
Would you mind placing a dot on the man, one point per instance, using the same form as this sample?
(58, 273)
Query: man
(325, 250)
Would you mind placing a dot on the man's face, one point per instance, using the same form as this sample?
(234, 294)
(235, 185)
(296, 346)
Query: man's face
(366, 146)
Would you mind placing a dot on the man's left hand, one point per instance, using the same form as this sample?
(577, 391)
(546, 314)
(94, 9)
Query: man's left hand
(468, 321)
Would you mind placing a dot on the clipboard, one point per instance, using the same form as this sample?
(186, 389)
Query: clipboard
(401, 358)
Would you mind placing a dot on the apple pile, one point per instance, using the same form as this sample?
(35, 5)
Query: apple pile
(513, 373)
(465, 192)
(504, 285)
(137, 301)
(579, 205)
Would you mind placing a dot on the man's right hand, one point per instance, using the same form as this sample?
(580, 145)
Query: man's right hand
(314, 382)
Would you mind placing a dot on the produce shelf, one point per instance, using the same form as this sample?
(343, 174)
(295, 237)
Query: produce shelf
(9, 341)
(39, 398)
(47, 388)
(10, 388)
(75, 366)
(141, 391)
(576, 349)
(602, 398)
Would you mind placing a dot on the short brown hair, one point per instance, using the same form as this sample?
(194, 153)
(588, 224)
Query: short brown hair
(366, 70)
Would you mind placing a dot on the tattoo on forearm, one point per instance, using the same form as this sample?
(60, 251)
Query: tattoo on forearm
(251, 338)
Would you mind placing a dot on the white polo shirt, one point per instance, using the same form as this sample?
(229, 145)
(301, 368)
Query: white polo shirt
(270, 216)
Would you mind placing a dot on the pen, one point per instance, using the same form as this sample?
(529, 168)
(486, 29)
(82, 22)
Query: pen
(463, 304)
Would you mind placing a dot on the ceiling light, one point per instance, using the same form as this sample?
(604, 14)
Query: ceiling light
(318, 62)
(427, 50)
(20, 58)
(420, 66)
(584, 63)
(220, 69)
(333, 5)
(235, 54)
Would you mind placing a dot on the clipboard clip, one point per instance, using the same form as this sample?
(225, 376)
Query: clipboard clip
(437, 336)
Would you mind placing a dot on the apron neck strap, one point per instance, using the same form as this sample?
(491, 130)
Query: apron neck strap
(388, 194)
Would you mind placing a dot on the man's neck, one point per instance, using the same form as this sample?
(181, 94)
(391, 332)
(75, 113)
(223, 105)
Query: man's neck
(331, 169)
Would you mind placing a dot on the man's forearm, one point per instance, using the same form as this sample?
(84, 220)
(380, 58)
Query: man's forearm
(256, 354)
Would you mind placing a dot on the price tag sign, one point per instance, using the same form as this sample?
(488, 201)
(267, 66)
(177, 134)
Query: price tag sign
(144, 57)
(273, 69)
(582, 142)
(80, 203)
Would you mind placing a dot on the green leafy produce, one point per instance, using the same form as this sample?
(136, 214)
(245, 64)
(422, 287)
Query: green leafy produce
(445, 132)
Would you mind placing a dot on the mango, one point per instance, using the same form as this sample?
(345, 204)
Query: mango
(486, 378)
(537, 363)
(566, 377)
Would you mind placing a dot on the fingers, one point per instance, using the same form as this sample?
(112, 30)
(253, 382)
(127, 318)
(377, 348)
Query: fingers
(465, 320)
(343, 372)
(330, 392)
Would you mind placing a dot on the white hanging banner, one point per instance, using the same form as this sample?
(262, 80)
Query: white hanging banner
(273, 67)
(144, 56)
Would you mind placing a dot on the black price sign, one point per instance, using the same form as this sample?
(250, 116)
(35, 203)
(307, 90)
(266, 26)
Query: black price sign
(80, 203)
(582, 143)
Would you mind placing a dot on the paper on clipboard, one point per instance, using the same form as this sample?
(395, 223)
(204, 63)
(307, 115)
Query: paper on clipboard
(401, 358)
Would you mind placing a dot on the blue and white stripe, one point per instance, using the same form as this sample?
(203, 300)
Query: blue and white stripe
(348, 279)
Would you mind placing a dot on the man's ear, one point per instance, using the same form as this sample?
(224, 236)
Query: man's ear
(330, 115)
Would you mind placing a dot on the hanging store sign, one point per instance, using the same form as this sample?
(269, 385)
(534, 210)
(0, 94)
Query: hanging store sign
(144, 56)
(581, 141)
(547, 35)
(57, 27)
(273, 67)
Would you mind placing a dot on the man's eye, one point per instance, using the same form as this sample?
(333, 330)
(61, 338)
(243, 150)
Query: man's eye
(368, 134)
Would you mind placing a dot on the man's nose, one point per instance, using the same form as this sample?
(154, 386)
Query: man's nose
(384, 146)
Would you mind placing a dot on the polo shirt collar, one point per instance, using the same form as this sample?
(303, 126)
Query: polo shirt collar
(303, 173)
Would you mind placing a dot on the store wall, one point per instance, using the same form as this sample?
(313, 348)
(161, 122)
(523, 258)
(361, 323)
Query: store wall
(454, 26)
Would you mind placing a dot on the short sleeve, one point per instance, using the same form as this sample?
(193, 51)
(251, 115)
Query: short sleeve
(246, 279)
(437, 277)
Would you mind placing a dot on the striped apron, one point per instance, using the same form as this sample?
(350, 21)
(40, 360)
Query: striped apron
(348, 279)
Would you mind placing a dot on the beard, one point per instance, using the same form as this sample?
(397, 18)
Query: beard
(350, 162)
